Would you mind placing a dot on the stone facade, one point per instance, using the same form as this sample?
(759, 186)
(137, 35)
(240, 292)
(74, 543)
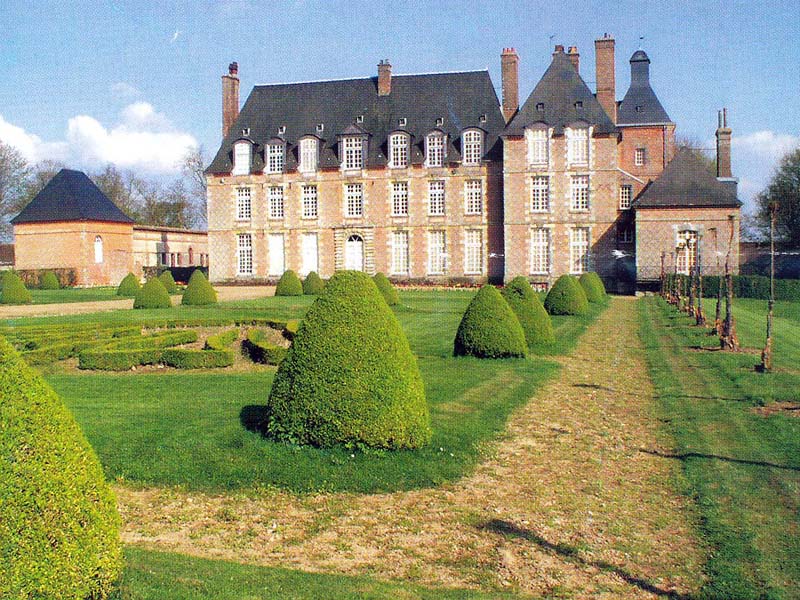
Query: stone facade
(168, 247)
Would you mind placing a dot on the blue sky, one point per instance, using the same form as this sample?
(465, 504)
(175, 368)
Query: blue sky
(135, 83)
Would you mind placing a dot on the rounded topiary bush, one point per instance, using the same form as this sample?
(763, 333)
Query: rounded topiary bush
(350, 377)
(386, 289)
(489, 328)
(59, 527)
(525, 303)
(313, 284)
(169, 282)
(593, 286)
(199, 291)
(152, 294)
(14, 290)
(129, 285)
(289, 285)
(566, 297)
(49, 281)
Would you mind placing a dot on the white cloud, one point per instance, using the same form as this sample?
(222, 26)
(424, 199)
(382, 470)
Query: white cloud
(125, 91)
(175, 36)
(766, 144)
(755, 157)
(143, 140)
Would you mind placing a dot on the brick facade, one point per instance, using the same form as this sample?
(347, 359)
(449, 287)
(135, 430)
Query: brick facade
(168, 247)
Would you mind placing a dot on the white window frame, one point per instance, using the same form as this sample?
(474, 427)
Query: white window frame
(639, 157)
(538, 146)
(309, 155)
(98, 249)
(401, 265)
(473, 252)
(353, 200)
(472, 146)
(579, 199)
(540, 251)
(352, 152)
(244, 254)
(437, 252)
(309, 263)
(578, 146)
(540, 194)
(310, 202)
(399, 198)
(276, 155)
(437, 203)
(579, 245)
(276, 202)
(274, 268)
(473, 197)
(244, 204)
(687, 258)
(398, 151)
(242, 158)
(434, 150)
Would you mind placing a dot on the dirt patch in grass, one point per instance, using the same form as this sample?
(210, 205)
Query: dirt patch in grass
(790, 409)
(565, 505)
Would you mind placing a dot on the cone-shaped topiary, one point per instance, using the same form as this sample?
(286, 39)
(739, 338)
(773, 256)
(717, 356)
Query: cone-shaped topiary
(49, 281)
(289, 285)
(199, 291)
(59, 527)
(152, 294)
(593, 286)
(566, 297)
(14, 290)
(350, 377)
(313, 284)
(386, 289)
(489, 328)
(532, 316)
(129, 285)
(169, 282)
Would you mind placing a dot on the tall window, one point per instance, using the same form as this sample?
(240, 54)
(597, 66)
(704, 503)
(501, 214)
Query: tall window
(625, 234)
(310, 209)
(353, 152)
(434, 150)
(241, 158)
(309, 253)
(354, 200)
(436, 202)
(473, 196)
(639, 156)
(537, 146)
(625, 196)
(540, 251)
(578, 250)
(275, 154)
(98, 249)
(398, 151)
(277, 260)
(244, 254)
(578, 146)
(472, 146)
(276, 202)
(400, 199)
(540, 193)
(687, 255)
(437, 253)
(308, 155)
(473, 252)
(244, 209)
(579, 192)
(400, 265)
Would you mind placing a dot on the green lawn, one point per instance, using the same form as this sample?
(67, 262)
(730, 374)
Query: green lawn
(67, 295)
(743, 468)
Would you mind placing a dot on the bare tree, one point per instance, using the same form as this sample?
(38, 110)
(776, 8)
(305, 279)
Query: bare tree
(14, 175)
(193, 170)
(123, 188)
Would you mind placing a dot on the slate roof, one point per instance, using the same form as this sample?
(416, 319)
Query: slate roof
(640, 105)
(687, 183)
(460, 99)
(71, 196)
(559, 89)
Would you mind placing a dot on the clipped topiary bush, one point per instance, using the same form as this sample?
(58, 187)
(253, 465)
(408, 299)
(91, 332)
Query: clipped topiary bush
(152, 294)
(49, 281)
(129, 285)
(199, 291)
(169, 282)
(593, 287)
(261, 350)
(350, 377)
(386, 289)
(59, 527)
(489, 328)
(533, 318)
(566, 297)
(14, 290)
(289, 285)
(313, 284)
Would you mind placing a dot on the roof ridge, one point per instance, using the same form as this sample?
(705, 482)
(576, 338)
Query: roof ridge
(372, 77)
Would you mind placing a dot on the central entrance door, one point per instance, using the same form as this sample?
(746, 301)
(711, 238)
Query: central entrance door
(354, 253)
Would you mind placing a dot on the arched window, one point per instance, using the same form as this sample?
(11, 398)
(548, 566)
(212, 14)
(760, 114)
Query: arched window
(537, 146)
(434, 149)
(275, 157)
(472, 147)
(578, 145)
(191, 256)
(308, 155)
(398, 151)
(241, 158)
(98, 249)
(354, 253)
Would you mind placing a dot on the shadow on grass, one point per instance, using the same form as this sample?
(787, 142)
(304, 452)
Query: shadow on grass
(593, 386)
(571, 553)
(253, 417)
(740, 461)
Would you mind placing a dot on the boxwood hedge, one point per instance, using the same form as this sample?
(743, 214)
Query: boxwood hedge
(349, 377)
(489, 328)
(260, 350)
(152, 294)
(533, 318)
(118, 360)
(49, 281)
(222, 340)
(199, 291)
(59, 527)
(14, 290)
(186, 358)
(566, 297)
(313, 284)
(129, 285)
(593, 287)
(386, 289)
(168, 281)
(289, 285)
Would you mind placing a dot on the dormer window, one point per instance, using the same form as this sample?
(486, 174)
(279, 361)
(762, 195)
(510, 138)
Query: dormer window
(439, 121)
(482, 118)
(472, 146)
(308, 155)
(398, 151)
(246, 131)
(281, 129)
(241, 158)
(320, 127)
(360, 119)
(579, 104)
(275, 158)
(402, 122)
(434, 149)
(537, 146)
(352, 152)
(540, 106)
(578, 145)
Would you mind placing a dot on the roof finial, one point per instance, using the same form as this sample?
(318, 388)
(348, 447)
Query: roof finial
(641, 42)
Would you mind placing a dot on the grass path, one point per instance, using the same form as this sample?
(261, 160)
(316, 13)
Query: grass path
(572, 502)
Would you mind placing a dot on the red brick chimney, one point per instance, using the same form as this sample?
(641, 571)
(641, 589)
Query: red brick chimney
(509, 67)
(723, 145)
(605, 74)
(384, 78)
(230, 98)
(574, 57)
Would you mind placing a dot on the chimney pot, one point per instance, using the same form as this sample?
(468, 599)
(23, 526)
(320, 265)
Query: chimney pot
(574, 57)
(384, 77)
(233, 68)
(559, 49)
(509, 67)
